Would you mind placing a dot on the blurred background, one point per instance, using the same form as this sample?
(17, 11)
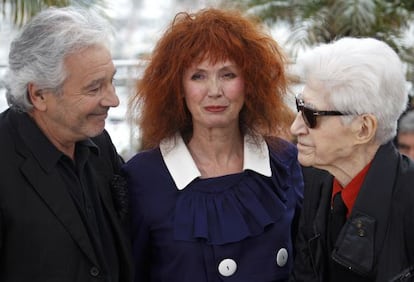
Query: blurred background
(295, 24)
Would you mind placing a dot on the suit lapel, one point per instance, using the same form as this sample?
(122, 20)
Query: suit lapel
(47, 182)
(322, 199)
(324, 206)
(51, 189)
(102, 168)
(107, 202)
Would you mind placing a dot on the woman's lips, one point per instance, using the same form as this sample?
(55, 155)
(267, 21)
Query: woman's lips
(215, 109)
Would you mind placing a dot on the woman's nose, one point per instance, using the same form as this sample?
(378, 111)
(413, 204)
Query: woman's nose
(214, 88)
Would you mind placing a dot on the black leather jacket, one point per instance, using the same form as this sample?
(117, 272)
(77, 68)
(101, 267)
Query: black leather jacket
(377, 241)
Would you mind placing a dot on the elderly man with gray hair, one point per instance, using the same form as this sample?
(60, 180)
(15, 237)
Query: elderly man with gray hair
(405, 136)
(357, 221)
(59, 221)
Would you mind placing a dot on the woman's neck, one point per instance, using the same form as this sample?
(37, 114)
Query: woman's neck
(217, 152)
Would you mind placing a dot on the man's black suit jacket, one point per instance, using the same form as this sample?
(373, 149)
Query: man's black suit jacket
(42, 236)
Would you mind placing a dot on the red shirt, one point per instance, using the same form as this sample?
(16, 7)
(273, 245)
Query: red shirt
(350, 191)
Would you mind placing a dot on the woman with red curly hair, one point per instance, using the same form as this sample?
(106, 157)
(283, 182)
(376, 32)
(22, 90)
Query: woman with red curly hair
(215, 195)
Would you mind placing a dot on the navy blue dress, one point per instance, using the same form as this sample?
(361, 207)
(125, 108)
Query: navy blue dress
(237, 227)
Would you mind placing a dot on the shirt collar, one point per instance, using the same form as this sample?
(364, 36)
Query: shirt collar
(183, 169)
(350, 191)
(42, 149)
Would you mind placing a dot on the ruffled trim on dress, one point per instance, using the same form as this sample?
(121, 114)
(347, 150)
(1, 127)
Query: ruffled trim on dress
(231, 208)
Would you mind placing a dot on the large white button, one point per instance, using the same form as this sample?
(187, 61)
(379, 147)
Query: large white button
(282, 257)
(227, 267)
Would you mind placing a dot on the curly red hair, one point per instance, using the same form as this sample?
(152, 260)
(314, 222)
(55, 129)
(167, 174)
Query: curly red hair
(217, 35)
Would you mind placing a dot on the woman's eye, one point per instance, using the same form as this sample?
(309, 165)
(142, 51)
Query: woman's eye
(229, 75)
(197, 76)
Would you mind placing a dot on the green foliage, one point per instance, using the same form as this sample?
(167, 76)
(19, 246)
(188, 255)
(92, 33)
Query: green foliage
(321, 21)
(22, 10)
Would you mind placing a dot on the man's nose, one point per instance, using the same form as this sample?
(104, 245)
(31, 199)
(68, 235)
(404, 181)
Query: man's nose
(110, 99)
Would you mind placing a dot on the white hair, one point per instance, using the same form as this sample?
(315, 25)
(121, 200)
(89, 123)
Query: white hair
(361, 75)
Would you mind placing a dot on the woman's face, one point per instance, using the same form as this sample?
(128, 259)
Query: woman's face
(214, 94)
(328, 145)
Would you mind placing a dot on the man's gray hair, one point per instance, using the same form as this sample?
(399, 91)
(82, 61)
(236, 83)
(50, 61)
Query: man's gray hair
(37, 54)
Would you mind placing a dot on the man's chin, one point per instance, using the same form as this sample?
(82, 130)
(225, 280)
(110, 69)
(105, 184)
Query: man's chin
(97, 130)
(305, 161)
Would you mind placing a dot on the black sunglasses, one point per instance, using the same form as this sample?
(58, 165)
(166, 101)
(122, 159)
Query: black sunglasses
(309, 115)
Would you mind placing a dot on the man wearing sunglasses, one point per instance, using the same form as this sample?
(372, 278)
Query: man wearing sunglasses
(357, 222)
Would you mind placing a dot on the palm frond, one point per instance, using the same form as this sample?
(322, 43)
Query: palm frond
(22, 10)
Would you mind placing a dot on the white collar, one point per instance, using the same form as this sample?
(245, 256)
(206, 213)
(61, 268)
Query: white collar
(183, 169)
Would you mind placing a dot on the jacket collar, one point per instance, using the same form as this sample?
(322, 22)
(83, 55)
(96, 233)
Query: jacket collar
(183, 169)
(39, 145)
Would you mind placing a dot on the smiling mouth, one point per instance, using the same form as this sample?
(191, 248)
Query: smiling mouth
(100, 115)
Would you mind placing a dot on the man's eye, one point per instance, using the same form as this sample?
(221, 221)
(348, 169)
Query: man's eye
(94, 90)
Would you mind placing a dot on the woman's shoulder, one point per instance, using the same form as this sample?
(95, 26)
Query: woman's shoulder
(281, 150)
(147, 171)
(144, 156)
(144, 161)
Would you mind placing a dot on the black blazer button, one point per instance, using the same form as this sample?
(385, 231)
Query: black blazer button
(94, 271)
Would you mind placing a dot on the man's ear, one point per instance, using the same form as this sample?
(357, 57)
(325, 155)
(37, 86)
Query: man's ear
(36, 96)
(365, 128)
